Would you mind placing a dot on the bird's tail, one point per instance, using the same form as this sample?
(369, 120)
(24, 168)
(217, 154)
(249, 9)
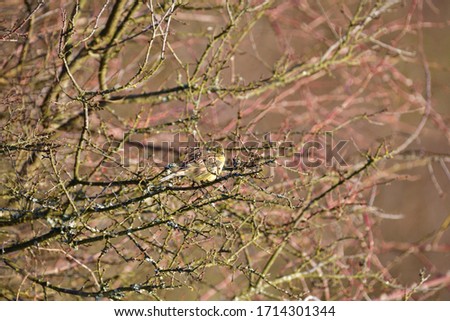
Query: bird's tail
(169, 177)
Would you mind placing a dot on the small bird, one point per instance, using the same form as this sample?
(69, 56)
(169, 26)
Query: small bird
(200, 167)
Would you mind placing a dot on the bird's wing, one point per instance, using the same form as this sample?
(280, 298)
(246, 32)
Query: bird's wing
(192, 155)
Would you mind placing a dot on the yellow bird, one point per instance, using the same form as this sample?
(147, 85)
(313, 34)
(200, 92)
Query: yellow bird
(201, 167)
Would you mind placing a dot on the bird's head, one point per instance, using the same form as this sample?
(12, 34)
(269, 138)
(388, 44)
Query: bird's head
(214, 148)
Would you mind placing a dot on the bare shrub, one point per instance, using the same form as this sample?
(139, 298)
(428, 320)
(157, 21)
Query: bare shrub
(312, 102)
